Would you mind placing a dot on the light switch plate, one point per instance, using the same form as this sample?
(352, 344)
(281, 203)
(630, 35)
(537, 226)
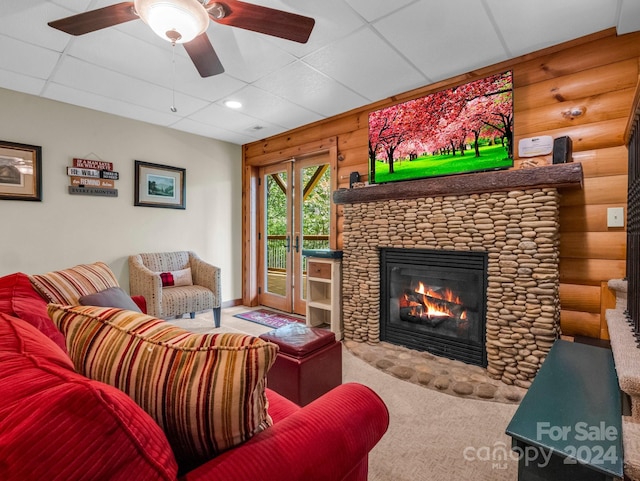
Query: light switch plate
(615, 217)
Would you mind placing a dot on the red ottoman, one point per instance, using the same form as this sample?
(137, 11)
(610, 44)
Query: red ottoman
(308, 365)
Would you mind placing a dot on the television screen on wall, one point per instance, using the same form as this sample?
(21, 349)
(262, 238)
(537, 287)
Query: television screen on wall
(467, 128)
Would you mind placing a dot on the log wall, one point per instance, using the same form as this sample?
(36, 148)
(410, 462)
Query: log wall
(600, 75)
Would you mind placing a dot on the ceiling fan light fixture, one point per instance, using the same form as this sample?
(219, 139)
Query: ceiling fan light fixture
(177, 21)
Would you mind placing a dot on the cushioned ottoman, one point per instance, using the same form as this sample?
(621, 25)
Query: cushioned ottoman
(308, 364)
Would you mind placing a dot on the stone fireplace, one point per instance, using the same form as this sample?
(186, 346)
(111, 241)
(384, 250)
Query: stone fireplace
(512, 220)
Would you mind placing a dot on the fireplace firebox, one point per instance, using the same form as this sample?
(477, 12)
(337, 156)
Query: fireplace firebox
(435, 301)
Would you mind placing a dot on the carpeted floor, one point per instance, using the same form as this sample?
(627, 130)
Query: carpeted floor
(432, 436)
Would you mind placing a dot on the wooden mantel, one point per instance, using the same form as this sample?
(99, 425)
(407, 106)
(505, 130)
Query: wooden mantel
(558, 176)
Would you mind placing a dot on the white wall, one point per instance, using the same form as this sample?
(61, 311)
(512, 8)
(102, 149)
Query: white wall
(65, 230)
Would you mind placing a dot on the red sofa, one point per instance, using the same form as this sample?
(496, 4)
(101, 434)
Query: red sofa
(56, 424)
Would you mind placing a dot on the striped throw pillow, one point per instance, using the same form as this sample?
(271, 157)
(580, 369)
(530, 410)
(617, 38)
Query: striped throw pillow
(67, 286)
(206, 391)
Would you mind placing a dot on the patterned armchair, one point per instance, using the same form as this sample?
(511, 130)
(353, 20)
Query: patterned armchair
(174, 283)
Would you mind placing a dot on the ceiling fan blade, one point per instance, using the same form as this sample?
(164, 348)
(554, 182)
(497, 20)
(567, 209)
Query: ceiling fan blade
(96, 19)
(203, 55)
(269, 21)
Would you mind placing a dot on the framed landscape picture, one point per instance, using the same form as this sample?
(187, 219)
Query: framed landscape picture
(159, 186)
(20, 171)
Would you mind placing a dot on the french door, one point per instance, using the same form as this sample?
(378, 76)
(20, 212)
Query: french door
(295, 213)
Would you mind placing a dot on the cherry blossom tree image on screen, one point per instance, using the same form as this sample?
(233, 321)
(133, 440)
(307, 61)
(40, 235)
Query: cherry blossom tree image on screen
(467, 128)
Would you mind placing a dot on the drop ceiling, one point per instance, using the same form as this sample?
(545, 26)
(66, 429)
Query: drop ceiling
(359, 52)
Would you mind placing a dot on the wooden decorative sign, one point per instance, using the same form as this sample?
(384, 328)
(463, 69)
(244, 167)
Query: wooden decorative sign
(92, 164)
(79, 172)
(92, 177)
(108, 174)
(98, 174)
(91, 182)
(93, 191)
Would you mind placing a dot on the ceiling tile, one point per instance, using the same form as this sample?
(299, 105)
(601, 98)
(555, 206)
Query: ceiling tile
(86, 77)
(264, 105)
(304, 86)
(79, 5)
(355, 61)
(26, 58)
(334, 19)
(92, 101)
(372, 10)
(246, 55)
(443, 39)
(21, 83)
(206, 130)
(230, 119)
(27, 21)
(529, 26)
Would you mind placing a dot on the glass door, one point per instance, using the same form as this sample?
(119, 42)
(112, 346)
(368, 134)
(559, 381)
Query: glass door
(295, 214)
(275, 236)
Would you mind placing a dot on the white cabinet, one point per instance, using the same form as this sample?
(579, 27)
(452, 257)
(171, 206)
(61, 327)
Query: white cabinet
(324, 294)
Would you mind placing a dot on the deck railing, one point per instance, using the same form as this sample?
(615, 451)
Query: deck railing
(277, 249)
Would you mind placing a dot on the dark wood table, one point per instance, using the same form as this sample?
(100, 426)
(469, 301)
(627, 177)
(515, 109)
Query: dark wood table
(569, 424)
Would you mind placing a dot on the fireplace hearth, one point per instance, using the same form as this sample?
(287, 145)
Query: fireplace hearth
(435, 300)
(518, 231)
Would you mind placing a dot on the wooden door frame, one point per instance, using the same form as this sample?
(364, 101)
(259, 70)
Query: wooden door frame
(250, 202)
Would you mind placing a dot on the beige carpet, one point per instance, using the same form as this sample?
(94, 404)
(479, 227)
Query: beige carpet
(432, 436)
(435, 436)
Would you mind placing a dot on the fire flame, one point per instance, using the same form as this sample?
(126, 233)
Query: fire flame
(447, 295)
(428, 307)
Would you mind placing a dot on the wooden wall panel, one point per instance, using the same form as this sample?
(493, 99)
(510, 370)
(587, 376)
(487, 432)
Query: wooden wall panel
(570, 88)
(576, 323)
(598, 73)
(594, 245)
(597, 108)
(603, 134)
(590, 272)
(576, 297)
(603, 162)
(586, 218)
(584, 56)
(598, 190)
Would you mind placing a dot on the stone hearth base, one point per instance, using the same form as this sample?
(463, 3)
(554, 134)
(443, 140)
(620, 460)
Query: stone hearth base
(451, 377)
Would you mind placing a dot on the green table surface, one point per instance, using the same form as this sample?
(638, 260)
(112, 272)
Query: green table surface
(573, 408)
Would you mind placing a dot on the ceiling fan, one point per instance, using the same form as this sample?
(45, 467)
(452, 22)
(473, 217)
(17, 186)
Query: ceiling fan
(186, 21)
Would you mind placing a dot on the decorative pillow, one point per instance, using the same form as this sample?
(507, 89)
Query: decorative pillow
(18, 298)
(177, 278)
(67, 286)
(207, 391)
(112, 297)
(58, 425)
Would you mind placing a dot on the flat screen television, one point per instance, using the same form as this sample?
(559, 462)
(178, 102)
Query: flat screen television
(463, 129)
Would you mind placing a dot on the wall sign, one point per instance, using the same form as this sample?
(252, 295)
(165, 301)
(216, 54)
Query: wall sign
(92, 177)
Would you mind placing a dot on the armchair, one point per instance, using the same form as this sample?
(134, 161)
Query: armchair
(201, 292)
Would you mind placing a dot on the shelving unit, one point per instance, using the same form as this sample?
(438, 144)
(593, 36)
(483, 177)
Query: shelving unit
(324, 294)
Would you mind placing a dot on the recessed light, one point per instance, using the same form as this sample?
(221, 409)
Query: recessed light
(233, 104)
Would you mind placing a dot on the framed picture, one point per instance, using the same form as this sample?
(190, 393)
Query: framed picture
(159, 186)
(20, 171)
